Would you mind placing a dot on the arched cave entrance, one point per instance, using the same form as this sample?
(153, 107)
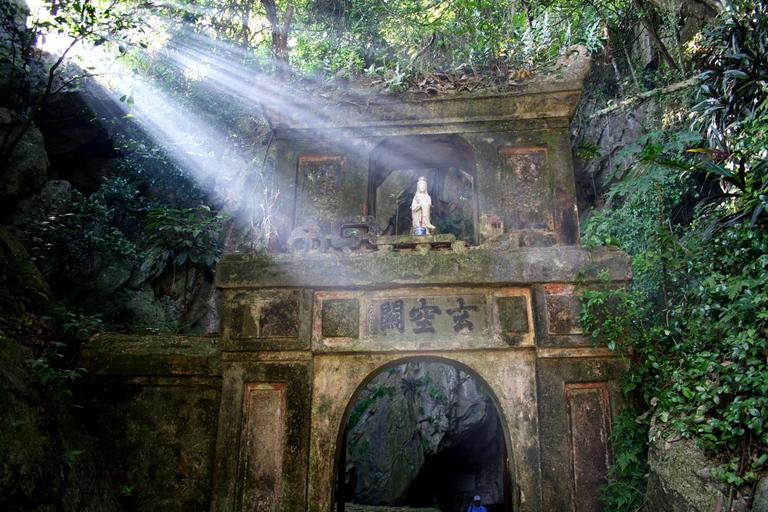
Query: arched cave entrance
(423, 433)
(448, 163)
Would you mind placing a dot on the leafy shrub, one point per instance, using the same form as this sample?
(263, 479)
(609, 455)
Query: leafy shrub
(698, 315)
(88, 234)
(627, 482)
(187, 238)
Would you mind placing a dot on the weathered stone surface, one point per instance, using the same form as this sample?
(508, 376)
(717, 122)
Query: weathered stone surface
(153, 402)
(129, 355)
(527, 192)
(535, 100)
(231, 477)
(597, 143)
(507, 375)
(27, 169)
(262, 442)
(563, 309)
(18, 272)
(557, 378)
(513, 314)
(479, 265)
(760, 501)
(81, 149)
(159, 440)
(674, 484)
(11, 64)
(573, 65)
(512, 151)
(589, 417)
(55, 198)
(46, 460)
(413, 239)
(304, 332)
(341, 318)
(270, 319)
(402, 319)
(146, 312)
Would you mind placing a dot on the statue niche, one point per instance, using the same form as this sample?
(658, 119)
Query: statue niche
(446, 162)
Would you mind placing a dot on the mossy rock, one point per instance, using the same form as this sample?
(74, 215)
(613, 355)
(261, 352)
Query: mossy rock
(21, 278)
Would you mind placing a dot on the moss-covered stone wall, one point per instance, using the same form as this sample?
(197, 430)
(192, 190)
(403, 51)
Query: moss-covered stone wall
(152, 403)
(256, 421)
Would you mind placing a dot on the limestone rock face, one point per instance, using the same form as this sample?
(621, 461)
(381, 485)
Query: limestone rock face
(46, 461)
(27, 169)
(81, 151)
(424, 435)
(760, 503)
(680, 477)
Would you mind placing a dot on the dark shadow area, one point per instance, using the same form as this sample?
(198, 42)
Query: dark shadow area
(423, 435)
(450, 478)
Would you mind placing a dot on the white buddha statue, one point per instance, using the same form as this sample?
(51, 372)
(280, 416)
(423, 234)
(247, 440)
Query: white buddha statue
(421, 207)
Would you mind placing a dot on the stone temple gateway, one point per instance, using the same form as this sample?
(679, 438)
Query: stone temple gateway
(492, 293)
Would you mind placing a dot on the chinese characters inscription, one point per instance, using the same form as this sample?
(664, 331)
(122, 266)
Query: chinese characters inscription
(460, 316)
(423, 316)
(391, 316)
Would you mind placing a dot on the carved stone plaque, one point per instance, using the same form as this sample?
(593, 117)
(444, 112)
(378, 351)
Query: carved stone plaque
(428, 319)
(426, 315)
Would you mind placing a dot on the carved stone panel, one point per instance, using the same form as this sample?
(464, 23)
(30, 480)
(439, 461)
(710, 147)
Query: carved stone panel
(261, 447)
(409, 316)
(341, 318)
(267, 315)
(513, 318)
(318, 193)
(589, 420)
(527, 189)
(563, 311)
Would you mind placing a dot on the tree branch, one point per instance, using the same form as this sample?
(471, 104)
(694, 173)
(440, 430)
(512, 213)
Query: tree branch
(7, 150)
(645, 95)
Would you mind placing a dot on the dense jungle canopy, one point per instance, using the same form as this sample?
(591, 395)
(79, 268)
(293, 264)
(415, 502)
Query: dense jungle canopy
(175, 159)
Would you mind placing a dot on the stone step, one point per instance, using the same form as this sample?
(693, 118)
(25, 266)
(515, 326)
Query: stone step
(353, 507)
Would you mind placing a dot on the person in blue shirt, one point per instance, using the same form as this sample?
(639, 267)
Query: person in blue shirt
(476, 506)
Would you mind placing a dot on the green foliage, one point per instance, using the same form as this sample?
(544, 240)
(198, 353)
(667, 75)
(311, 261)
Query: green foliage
(189, 238)
(697, 312)
(49, 367)
(437, 394)
(397, 39)
(157, 179)
(69, 458)
(87, 233)
(607, 314)
(734, 111)
(183, 237)
(55, 367)
(627, 482)
(410, 386)
(365, 402)
(75, 21)
(719, 388)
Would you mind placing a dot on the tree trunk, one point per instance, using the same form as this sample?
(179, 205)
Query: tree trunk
(281, 27)
(654, 36)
